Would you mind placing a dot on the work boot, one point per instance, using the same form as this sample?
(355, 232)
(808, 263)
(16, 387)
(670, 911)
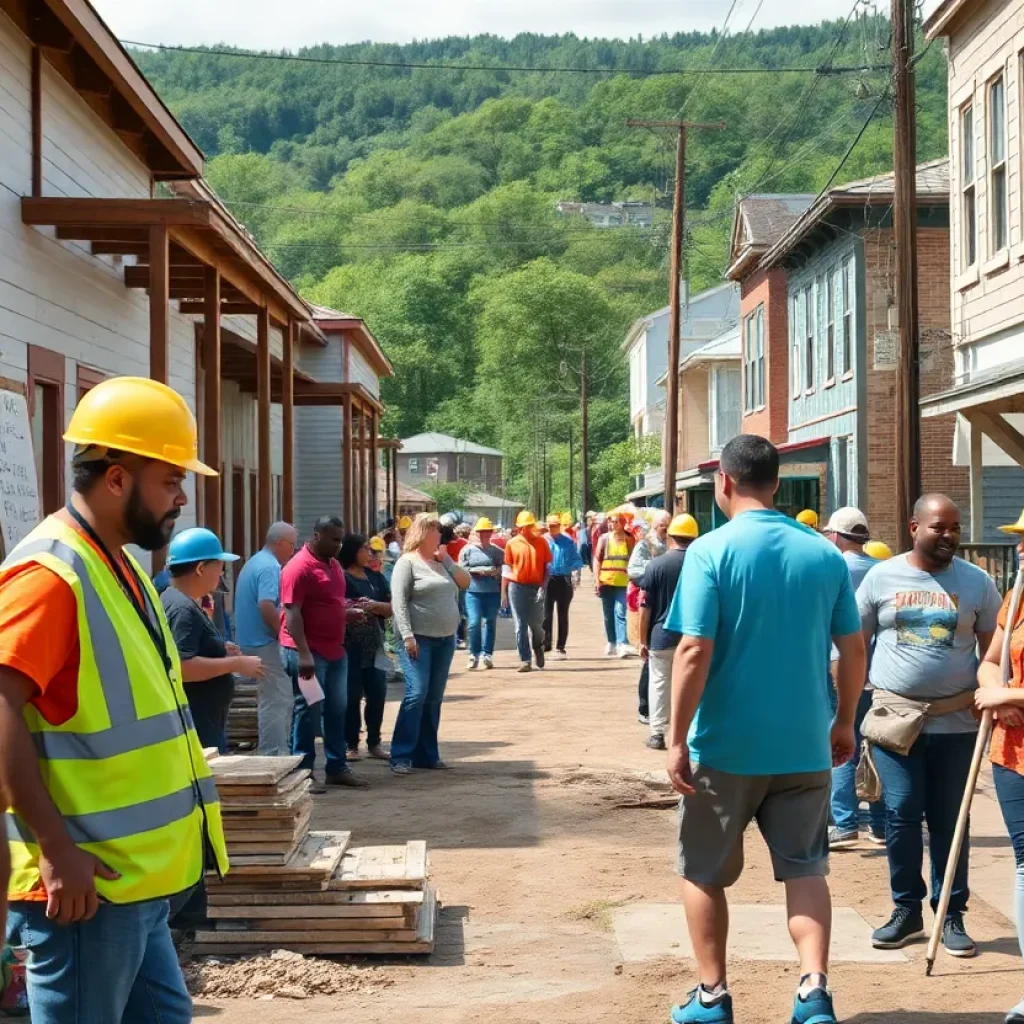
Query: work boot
(539, 655)
(700, 1008)
(348, 778)
(316, 786)
(955, 939)
(656, 742)
(905, 925)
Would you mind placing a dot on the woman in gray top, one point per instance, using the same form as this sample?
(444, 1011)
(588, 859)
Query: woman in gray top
(424, 596)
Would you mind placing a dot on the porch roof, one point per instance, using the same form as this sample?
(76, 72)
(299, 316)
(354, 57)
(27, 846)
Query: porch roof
(1000, 390)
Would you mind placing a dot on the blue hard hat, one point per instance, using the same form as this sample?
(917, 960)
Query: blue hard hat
(197, 545)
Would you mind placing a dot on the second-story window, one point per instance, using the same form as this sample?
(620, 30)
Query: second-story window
(753, 360)
(809, 332)
(830, 320)
(968, 209)
(759, 358)
(847, 330)
(997, 162)
(794, 345)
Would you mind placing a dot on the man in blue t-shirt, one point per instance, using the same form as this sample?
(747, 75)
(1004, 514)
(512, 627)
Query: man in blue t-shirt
(752, 736)
(257, 622)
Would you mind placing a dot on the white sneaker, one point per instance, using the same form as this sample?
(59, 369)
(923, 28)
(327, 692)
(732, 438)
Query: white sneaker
(488, 661)
(471, 663)
(561, 656)
(610, 650)
(624, 651)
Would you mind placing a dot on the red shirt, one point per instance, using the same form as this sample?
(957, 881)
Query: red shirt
(317, 589)
(455, 547)
(499, 542)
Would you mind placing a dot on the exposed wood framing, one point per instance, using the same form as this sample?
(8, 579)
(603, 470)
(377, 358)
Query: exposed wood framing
(288, 422)
(212, 401)
(374, 426)
(361, 455)
(347, 475)
(37, 121)
(264, 477)
(159, 302)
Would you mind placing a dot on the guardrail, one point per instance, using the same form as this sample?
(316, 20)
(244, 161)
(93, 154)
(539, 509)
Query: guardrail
(998, 560)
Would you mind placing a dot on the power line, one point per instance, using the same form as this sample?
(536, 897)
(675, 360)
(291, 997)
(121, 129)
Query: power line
(423, 66)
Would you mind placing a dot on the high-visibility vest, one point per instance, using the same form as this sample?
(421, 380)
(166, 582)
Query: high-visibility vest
(126, 771)
(614, 563)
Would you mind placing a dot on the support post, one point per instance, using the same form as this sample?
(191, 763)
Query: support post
(977, 496)
(159, 301)
(584, 434)
(36, 74)
(394, 482)
(374, 458)
(362, 449)
(212, 399)
(347, 473)
(288, 423)
(264, 478)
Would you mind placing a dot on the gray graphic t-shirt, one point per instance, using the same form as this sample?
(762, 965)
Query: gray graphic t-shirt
(925, 627)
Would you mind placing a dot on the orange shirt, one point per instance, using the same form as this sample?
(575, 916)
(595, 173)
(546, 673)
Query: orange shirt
(1008, 744)
(528, 558)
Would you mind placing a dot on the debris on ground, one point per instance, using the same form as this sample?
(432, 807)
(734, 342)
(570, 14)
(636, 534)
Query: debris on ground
(282, 974)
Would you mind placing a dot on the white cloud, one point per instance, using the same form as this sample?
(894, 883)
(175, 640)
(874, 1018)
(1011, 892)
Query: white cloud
(271, 24)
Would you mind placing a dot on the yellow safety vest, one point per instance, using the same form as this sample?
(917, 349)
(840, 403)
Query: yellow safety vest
(126, 772)
(613, 565)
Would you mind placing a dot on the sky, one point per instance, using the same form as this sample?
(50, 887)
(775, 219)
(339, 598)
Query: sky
(270, 24)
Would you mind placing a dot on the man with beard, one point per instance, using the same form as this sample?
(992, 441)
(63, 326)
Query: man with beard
(112, 806)
(926, 613)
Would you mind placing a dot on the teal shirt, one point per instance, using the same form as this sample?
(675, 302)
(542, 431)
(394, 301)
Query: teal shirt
(770, 593)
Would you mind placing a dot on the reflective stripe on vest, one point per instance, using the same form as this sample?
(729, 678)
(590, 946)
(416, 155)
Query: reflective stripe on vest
(613, 566)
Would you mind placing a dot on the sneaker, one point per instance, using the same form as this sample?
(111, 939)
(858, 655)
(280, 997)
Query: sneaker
(525, 667)
(352, 754)
(539, 655)
(378, 753)
(905, 925)
(609, 650)
(624, 651)
(842, 838)
(561, 656)
(471, 663)
(316, 787)
(460, 645)
(814, 1008)
(656, 742)
(643, 719)
(698, 1011)
(955, 939)
(488, 661)
(348, 778)
(876, 836)
(401, 768)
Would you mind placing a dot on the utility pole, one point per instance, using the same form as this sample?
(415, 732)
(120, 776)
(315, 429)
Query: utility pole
(671, 453)
(584, 435)
(908, 381)
(571, 508)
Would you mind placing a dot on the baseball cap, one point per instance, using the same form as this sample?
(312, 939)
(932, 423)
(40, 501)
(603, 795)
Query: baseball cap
(849, 522)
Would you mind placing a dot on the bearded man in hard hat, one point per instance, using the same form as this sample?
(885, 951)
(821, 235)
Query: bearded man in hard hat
(523, 586)
(113, 808)
(658, 644)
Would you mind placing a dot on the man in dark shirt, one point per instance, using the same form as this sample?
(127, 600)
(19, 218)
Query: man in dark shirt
(658, 645)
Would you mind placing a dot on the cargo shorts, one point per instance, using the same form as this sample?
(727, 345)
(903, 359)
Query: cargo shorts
(791, 811)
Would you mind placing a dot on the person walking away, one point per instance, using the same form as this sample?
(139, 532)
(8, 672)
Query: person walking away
(611, 559)
(653, 545)
(750, 736)
(424, 596)
(586, 549)
(112, 807)
(658, 644)
(523, 587)
(257, 625)
(195, 560)
(1006, 702)
(565, 564)
(483, 560)
(366, 588)
(847, 528)
(313, 640)
(927, 613)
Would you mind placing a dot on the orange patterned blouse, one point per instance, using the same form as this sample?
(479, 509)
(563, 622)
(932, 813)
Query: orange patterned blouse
(1008, 744)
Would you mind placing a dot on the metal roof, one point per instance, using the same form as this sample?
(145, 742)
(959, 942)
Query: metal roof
(432, 443)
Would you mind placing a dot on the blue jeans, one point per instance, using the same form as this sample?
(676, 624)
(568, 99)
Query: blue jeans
(929, 782)
(1010, 791)
(325, 718)
(118, 968)
(845, 803)
(482, 610)
(613, 603)
(415, 738)
(528, 613)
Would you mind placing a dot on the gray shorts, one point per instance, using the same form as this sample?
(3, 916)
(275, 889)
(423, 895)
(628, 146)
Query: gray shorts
(791, 811)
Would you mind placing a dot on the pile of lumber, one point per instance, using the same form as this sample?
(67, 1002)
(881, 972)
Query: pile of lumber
(243, 716)
(318, 895)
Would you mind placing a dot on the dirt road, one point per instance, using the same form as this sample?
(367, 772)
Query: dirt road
(560, 907)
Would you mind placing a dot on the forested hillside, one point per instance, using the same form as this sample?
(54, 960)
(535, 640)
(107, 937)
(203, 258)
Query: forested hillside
(423, 199)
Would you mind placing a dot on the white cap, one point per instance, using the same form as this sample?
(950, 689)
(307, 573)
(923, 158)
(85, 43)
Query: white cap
(849, 522)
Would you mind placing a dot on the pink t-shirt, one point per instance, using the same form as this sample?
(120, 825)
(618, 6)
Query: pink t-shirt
(318, 589)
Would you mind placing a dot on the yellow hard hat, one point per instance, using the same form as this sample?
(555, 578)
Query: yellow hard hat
(565, 519)
(808, 517)
(405, 522)
(377, 544)
(526, 518)
(483, 523)
(1016, 528)
(876, 549)
(554, 519)
(140, 416)
(684, 526)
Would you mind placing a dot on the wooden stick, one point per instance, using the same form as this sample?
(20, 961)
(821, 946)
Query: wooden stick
(980, 746)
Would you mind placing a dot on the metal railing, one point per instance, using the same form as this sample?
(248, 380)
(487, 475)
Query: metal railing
(999, 560)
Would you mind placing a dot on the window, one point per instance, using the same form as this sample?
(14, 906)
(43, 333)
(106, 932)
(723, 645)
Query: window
(461, 469)
(847, 285)
(968, 210)
(749, 343)
(87, 379)
(414, 466)
(842, 481)
(809, 322)
(724, 406)
(830, 320)
(759, 358)
(997, 163)
(46, 414)
(794, 345)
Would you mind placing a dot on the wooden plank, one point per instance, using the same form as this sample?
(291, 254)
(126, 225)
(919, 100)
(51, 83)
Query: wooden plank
(290, 341)
(296, 940)
(317, 856)
(159, 302)
(36, 92)
(317, 948)
(263, 457)
(375, 867)
(212, 400)
(242, 904)
(394, 922)
(250, 770)
(367, 912)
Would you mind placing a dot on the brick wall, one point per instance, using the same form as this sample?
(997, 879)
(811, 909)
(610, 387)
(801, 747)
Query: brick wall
(693, 416)
(769, 287)
(938, 471)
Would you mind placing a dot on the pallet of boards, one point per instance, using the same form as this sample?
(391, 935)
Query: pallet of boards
(243, 715)
(308, 869)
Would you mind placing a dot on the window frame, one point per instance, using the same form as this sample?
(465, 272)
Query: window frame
(830, 323)
(46, 370)
(414, 465)
(810, 332)
(998, 207)
(794, 345)
(968, 162)
(847, 293)
(759, 356)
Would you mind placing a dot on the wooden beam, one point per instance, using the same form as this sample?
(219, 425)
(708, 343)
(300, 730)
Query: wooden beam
(212, 401)
(363, 502)
(347, 474)
(121, 213)
(373, 471)
(138, 277)
(288, 422)
(976, 475)
(1008, 438)
(37, 121)
(159, 302)
(393, 456)
(193, 307)
(48, 31)
(110, 234)
(137, 249)
(264, 489)
(87, 77)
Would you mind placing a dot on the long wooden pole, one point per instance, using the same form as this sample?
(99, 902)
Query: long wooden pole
(159, 323)
(347, 474)
(264, 476)
(212, 455)
(288, 423)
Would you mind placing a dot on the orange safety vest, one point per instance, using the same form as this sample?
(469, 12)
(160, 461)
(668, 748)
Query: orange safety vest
(614, 563)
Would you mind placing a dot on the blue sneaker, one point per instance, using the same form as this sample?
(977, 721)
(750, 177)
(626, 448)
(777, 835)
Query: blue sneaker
(693, 1011)
(815, 1009)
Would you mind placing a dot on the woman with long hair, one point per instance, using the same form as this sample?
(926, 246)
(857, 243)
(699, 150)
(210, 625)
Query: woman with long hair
(424, 592)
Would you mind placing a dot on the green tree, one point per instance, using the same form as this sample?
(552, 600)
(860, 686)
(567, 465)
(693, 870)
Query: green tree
(449, 496)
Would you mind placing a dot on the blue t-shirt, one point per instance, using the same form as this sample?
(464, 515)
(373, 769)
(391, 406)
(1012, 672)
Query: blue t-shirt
(565, 559)
(259, 580)
(770, 593)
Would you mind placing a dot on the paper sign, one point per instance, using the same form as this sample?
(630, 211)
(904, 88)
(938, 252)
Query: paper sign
(311, 689)
(19, 489)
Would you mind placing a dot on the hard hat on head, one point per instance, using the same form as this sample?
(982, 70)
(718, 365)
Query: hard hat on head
(483, 523)
(554, 519)
(1016, 528)
(377, 544)
(565, 519)
(197, 545)
(848, 522)
(808, 517)
(526, 518)
(139, 416)
(405, 522)
(877, 549)
(684, 526)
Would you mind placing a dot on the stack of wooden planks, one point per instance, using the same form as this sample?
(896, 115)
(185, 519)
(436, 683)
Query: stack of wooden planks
(243, 716)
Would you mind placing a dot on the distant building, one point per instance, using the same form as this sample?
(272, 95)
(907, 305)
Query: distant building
(631, 213)
(501, 511)
(433, 458)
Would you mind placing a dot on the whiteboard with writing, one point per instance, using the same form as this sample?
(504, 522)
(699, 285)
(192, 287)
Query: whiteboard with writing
(19, 488)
